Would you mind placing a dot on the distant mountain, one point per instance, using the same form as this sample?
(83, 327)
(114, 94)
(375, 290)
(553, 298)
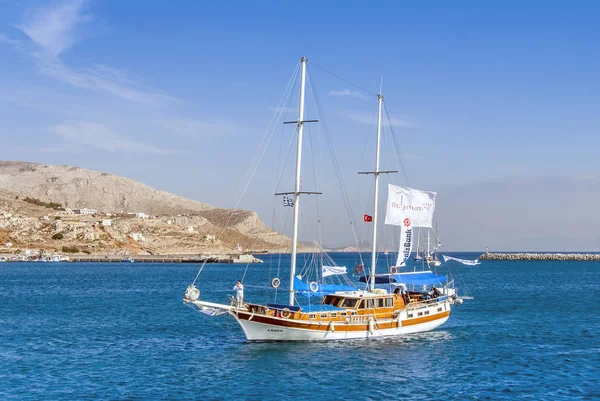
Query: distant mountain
(76, 188)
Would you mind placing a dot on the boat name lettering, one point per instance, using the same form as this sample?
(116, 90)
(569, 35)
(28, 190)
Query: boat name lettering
(426, 206)
(275, 330)
(407, 244)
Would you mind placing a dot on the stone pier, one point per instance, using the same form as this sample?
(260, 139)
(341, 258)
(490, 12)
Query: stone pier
(584, 257)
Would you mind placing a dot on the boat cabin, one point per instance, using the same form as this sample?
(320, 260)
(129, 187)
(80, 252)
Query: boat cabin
(364, 300)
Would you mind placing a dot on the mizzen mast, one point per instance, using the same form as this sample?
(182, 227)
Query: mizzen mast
(376, 173)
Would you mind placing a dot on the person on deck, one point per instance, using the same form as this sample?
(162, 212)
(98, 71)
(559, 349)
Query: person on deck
(239, 292)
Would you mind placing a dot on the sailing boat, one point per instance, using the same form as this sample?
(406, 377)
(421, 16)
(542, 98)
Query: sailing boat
(417, 255)
(345, 312)
(431, 258)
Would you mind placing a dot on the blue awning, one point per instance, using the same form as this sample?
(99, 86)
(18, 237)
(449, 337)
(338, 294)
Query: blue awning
(304, 289)
(416, 278)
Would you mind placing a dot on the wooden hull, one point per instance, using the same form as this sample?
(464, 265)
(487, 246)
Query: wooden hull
(261, 328)
(260, 324)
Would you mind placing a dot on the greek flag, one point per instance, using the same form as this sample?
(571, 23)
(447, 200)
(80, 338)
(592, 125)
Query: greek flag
(288, 201)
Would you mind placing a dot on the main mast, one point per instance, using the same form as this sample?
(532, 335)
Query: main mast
(376, 173)
(300, 123)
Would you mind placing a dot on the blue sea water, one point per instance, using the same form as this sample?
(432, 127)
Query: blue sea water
(73, 331)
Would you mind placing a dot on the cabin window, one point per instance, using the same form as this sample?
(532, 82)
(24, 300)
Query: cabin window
(323, 315)
(389, 302)
(369, 303)
(353, 313)
(410, 315)
(379, 302)
(439, 309)
(420, 314)
(312, 316)
(342, 314)
(349, 303)
(427, 312)
(331, 300)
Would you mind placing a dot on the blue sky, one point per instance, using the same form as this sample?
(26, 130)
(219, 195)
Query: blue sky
(179, 95)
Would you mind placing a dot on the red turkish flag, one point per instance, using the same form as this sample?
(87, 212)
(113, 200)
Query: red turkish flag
(367, 218)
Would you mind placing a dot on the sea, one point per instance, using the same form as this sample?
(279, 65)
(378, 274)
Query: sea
(119, 331)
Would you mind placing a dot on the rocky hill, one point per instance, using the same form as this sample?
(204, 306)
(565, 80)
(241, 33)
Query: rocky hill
(32, 197)
(76, 188)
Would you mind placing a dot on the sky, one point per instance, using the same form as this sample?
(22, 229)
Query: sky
(494, 105)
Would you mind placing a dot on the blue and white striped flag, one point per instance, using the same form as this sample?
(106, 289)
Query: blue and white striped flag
(288, 201)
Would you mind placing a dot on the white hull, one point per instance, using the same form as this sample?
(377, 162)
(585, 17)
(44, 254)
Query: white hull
(261, 327)
(255, 331)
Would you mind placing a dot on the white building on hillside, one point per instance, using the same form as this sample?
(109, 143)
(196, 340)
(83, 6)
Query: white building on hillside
(85, 211)
(139, 237)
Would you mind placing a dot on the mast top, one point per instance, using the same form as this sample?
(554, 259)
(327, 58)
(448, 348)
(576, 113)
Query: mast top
(303, 59)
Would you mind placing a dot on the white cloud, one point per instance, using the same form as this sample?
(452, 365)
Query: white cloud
(53, 30)
(372, 119)
(90, 134)
(94, 81)
(347, 93)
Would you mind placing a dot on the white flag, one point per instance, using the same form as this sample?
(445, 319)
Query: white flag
(463, 261)
(412, 204)
(333, 270)
(405, 245)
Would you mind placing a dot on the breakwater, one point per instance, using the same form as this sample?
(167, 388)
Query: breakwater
(585, 257)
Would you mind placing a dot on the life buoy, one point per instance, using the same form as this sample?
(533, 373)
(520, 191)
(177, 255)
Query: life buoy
(285, 313)
(393, 270)
(359, 269)
(275, 282)
(313, 286)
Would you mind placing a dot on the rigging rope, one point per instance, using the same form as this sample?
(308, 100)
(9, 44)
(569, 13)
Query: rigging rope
(345, 80)
(260, 152)
(398, 152)
(336, 167)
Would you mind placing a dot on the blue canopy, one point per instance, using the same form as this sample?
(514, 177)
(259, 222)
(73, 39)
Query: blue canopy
(321, 289)
(417, 278)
